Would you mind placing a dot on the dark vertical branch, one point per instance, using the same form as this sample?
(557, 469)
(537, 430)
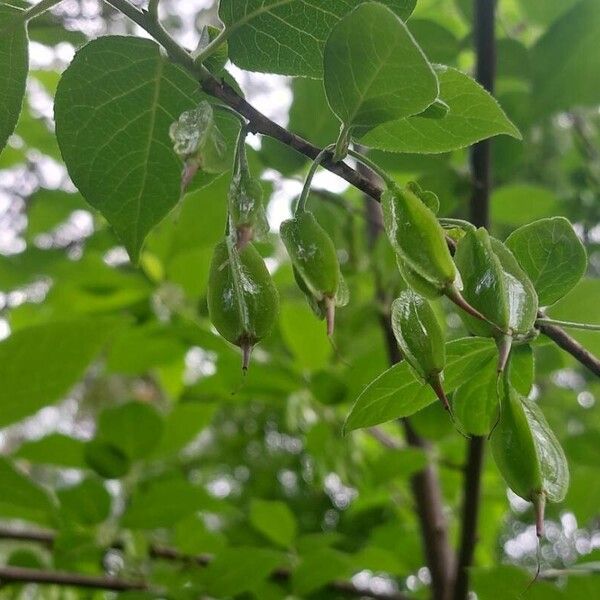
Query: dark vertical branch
(425, 485)
(485, 48)
(481, 155)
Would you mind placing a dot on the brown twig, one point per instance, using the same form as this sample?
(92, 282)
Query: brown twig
(157, 551)
(562, 339)
(21, 575)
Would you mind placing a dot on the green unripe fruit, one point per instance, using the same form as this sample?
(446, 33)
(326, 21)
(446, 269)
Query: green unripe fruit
(420, 244)
(242, 300)
(527, 453)
(483, 281)
(420, 338)
(418, 283)
(496, 286)
(315, 262)
(523, 300)
(246, 210)
(417, 237)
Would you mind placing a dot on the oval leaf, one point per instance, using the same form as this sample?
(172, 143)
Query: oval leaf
(287, 36)
(566, 61)
(397, 393)
(14, 64)
(114, 106)
(57, 353)
(473, 115)
(374, 70)
(550, 252)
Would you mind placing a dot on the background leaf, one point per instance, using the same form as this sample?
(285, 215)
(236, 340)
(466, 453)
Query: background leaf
(274, 520)
(58, 353)
(22, 498)
(566, 64)
(14, 64)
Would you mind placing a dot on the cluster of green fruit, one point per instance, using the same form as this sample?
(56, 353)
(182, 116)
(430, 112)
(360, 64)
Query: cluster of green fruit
(495, 297)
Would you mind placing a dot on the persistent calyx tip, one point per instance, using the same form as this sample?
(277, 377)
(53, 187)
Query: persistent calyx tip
(246, 354)
(330, 315)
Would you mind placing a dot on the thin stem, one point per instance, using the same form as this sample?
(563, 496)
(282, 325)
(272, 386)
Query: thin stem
(214, 46)
(232, 112)
(301, 206)
(160, 34)
(23, 16)
(568, 324)
(389, 181)
(447, 222)
(241, 160)
(39, 9)
(153, 8)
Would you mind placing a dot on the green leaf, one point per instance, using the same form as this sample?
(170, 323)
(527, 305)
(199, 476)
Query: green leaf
(49, 208)
(114, 106)
(305, 335)
(522, 370)
(397, 393)
(475, 402)
(517, 204)
(14, 64)
(319, 568)
(135, 428)
(274, 520)
(287, 36)
(38, 365)
(163, 503)
(138, 349)
(54, 449)
(87, 503)
(310, 115)
(21, 498)
(550, 252)
(374, 70)
(182, 425)
(544, 12)
(439, 44)
(566, 61)
(107, 460)
(237, 570)
(474, 115)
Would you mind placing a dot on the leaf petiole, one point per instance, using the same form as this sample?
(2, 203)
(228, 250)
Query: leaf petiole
(301, 206)
(568, 324)
(373, 166)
